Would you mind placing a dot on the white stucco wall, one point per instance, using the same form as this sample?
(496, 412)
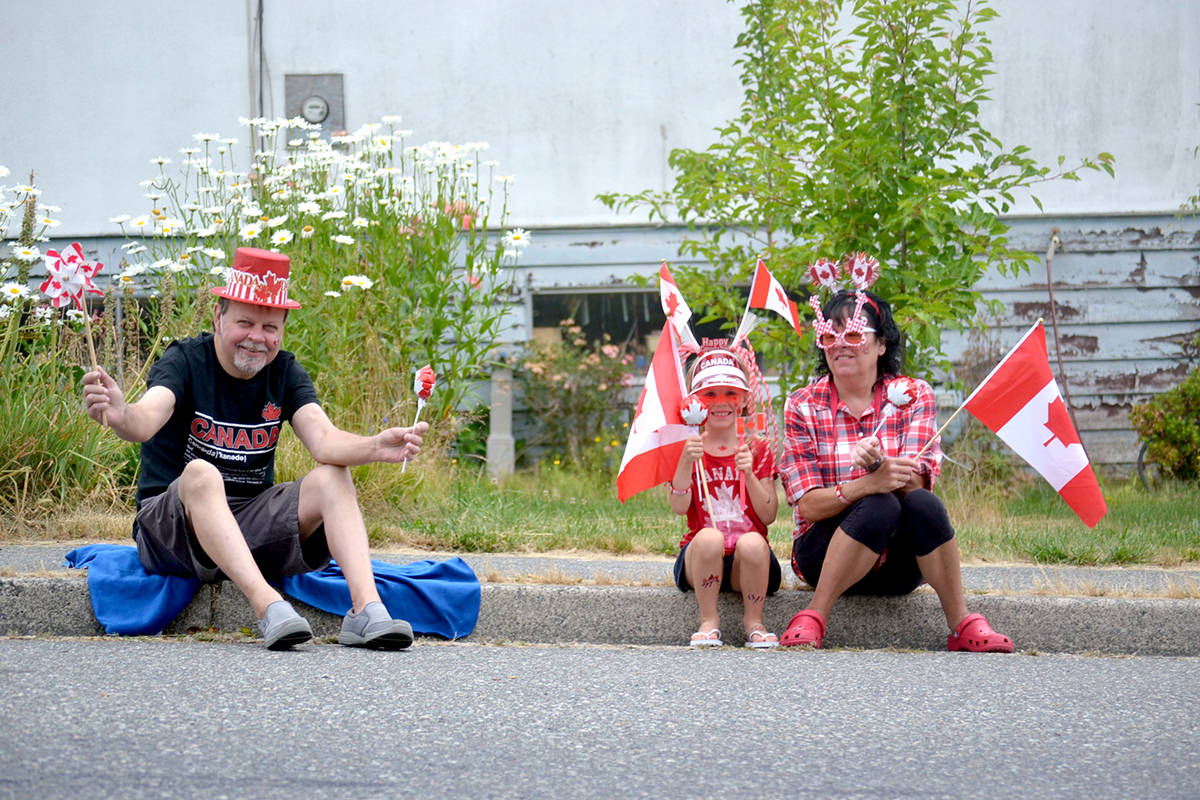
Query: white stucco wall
(575, 98)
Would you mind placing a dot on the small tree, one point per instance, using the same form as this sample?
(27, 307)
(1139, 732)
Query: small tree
(868, 140)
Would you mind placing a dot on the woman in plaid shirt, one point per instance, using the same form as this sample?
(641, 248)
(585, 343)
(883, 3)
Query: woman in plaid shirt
(866, 520)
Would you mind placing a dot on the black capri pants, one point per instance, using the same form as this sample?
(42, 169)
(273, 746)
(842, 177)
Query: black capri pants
(898, 528)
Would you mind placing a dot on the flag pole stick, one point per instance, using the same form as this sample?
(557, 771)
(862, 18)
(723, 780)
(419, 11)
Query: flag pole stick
(87, 329)
(934, 438)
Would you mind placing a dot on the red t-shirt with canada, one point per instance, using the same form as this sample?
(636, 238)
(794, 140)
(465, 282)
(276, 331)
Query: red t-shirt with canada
(728, 515)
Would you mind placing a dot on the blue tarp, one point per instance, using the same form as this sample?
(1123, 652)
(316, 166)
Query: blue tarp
(439, 598)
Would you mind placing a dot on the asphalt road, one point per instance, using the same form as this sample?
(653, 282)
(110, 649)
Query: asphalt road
(178, 718)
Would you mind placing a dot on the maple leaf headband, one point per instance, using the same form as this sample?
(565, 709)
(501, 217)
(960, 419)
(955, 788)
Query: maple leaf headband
(863, 271)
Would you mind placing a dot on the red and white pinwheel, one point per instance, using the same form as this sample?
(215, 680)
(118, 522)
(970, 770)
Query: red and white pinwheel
(69, 276)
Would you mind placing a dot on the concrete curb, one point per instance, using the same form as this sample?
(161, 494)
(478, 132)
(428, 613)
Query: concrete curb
(616, 615)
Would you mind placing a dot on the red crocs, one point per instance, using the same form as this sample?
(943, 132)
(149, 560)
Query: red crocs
(975, 635)
(806, 628)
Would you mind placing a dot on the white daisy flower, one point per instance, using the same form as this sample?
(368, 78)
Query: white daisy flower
(391, 119)
(120, 219)
(212, 252)
(359, 222)
(137, 248)
(328, 215)
(141, 223)
(306, 232)
(279, 238)
(45, 209)
(49, 223)
(75, 315)
(275, 222)
(516, 239)
(25, 188)
(204, 232)
(43, 314)
(505, 178)
(206, 137)
(5, 312)
(3, 171)
(26, 253)
(309, 207)
(361, 281)
(250, 231)
(342, 238)
(162, 262)
(216, 271)
(160, 160)
(333, 294)
(13, 291)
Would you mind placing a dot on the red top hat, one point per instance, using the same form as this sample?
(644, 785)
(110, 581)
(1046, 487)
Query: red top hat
(258, 277)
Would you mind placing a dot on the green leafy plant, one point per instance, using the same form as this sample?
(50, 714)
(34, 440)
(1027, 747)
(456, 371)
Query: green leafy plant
(1170, 426)
(859, 131)
(575, 390)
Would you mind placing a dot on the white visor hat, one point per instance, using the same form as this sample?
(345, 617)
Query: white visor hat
(719, 368)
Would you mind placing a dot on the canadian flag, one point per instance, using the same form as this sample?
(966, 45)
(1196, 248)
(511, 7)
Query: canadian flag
(768, 293)
(1020, 402)
(657, 434)
(674, 306)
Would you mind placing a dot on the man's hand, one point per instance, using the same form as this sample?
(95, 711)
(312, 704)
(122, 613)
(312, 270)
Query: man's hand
(103, 399)
(399, 444)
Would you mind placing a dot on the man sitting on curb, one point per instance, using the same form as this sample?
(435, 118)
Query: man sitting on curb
(208, 506)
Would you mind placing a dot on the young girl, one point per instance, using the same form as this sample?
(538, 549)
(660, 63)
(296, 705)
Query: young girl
(726, 545)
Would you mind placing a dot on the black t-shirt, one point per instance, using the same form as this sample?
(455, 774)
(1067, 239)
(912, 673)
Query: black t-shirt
(231, 423)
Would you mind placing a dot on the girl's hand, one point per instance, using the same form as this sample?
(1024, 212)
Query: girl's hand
(693, 450)
(743, 459)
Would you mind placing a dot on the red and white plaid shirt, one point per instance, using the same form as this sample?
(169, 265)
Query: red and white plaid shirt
(820, 434)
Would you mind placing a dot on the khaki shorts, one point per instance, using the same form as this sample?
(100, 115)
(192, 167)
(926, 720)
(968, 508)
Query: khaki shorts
(269, 523)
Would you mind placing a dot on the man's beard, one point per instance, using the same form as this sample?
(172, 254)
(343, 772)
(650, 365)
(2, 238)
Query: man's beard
(249, 363)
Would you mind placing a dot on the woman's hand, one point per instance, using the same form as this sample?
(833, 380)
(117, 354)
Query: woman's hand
(866, 452)
(892, 475)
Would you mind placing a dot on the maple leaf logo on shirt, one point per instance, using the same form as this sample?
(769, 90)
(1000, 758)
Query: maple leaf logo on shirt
(271, 412)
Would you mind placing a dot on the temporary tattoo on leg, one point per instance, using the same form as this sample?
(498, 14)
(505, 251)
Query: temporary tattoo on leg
(755, 599)
(710, 581)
